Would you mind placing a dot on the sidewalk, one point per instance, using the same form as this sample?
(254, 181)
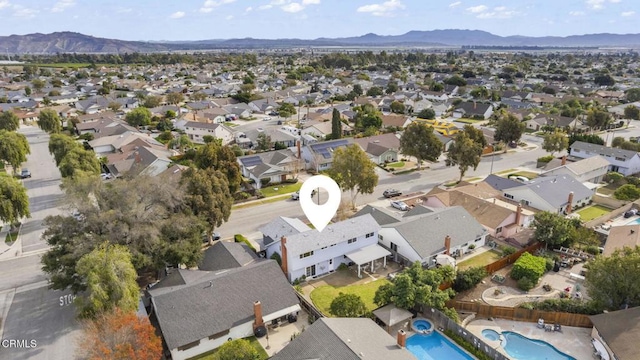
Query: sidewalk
(6, 251)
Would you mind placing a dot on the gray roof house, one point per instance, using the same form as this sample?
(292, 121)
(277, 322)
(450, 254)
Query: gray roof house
(626, 162)
(615, 334)
(227, 255)
(200, 310)
(422, 237)
(590, 169)
(555, 193)
(344, 339)
(277, 166)
(473, 109)
(319, 156)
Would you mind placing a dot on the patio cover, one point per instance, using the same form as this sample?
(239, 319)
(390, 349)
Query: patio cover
(391, 315)
(600, 349)
(368, 254)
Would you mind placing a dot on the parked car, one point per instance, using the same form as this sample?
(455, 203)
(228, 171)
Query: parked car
(266, 119)
(106, 176)
(389, 193)
(296, 195)
(25, 173)
(400, 205)
(630, 213)
(215, 236)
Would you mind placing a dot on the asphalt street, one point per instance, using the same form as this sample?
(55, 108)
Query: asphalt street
(248, 220)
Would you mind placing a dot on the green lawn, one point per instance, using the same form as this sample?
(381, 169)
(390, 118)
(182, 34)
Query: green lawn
(280, 189)
(528, 174)
(398, 164)
(324, 295)
(11, 237)
(210, 355)
(260, 202)
(483, 259)
(592, 212)
(505, 171)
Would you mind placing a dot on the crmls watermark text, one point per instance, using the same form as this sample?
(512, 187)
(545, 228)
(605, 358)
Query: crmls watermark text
(18, 344)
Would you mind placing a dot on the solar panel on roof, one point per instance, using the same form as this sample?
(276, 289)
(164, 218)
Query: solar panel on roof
(251, 161)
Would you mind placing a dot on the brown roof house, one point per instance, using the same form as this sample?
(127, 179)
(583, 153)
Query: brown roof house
(380, 148)
(615, 334)
(621, 237)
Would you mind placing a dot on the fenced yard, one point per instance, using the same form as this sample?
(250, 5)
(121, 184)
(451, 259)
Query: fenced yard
(324, 295)
(483, 259)
(593, 212)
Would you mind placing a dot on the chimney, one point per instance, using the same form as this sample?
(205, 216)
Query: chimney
(570, 202)
(402, 338)
(194, 116)
(283, 256)
(518, 214)
(299, 151)
(257, 312)
(447, 244)
(564, 160)
(475, 105)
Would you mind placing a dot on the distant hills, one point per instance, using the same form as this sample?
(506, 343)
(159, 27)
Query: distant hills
(80, 43)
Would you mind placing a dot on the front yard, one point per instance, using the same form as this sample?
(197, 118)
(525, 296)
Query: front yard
(324, 295)
(528, 174)
(280, 189)
(483, 259)
(592, 212)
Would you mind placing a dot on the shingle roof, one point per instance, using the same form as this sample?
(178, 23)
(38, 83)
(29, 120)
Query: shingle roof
(332, 234)
(226, 255)
(603, 150)
(220, 301)
(344, 339)
(555, 189)
(282, 226)
(621, 331)
(380, 215)
(426, 233)
(586, 165)
(500, 183)
(391, 315)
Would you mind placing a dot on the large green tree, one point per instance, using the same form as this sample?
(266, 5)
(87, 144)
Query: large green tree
(286, 110)
(60, 145)
(222, 158)
(336, 125)
(354, 171)
(416, 286)
(554, 142)
(464, 152)
(614, 281)
(14, 201)
(420, 141)
(633, 94)
(367, 117)
(146, 214)
(175, 98)
(632, 112)
(138, 117)
(239, 349)
(263, 142)
(14, 148)
(49, 121)
(152, 101)
(9, 121)
(347, 305)
(427, 114)
(79, 161)
(110, 280)
(508, 128)
(598, 119)
(208, 196)
(552, 229)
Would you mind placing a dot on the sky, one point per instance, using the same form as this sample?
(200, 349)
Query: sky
(311, 19)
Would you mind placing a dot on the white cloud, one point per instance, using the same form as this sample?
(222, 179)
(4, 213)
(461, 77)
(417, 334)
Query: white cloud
(248, 9)
(208, 5)
(206, 10)
(628, 13)
(62, 4)
(229, 17)
(385, 9)
(310, 2)
(576, 13)
(4, 4)
(599, 4)
(455, 4)
(177, 15)
(293, 8)
(265, 7)
(122, 10)
(477, 9)
(24, 12)
(615, 1)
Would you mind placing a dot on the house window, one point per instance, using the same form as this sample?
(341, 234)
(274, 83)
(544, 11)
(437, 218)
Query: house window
(620, 159)
(478, 239)
(499, 230)
(369, 235)
(380, 237)
(508, 196)
(394, 247)
(310, 271)
(307, 254)
(330, 261)
(334, 244)
(322, 248)
(189, 345)
(351, 240)
(525, 202)
(217, 335)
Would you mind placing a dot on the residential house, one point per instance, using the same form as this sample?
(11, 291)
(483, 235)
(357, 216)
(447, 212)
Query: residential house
(380, 148)
(472, 110)
(93, 104)
(615, 334)
(625, 162)
(395, 121)
(620, 237)
(198, 130)
(559, 194)
(422, 235)
(197, 311)
(227, 255)
(435, 95)
(319, 156)
(311, 253)
(500, 184)
(590, 169)
(345, 339)
(440, 109)
(110, 144)
(103, 127)
(554, 121)
(139, 156)
(446, 141)
(277, 166)
(321, 130)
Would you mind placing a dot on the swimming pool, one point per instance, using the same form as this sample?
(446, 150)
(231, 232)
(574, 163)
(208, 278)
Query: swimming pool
(522, 348)
(491, 334)
(421, 325)
(435, 346)
(634, 222)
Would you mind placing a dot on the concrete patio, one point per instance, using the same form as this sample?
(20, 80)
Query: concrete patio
(280, 336)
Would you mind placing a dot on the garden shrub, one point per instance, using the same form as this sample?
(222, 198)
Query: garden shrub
(265, 181)
(549, 263)
(291, 181)
(574, 306)
(526, 284)
(632, 180)
(545, 159)
(466, 345)
(277, 258)
(507, 250)
(627, 192)
(614, 178)
(469, 278)
(529, 266)
(241, 238)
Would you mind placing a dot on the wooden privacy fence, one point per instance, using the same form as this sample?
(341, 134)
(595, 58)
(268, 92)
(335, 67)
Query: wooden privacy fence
(505, 261)
(520, 314)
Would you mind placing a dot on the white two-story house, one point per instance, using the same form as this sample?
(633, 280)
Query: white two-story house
(198, 130)
(625, 162)
(310, 253)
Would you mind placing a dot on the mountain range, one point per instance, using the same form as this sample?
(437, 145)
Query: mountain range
(80, 43)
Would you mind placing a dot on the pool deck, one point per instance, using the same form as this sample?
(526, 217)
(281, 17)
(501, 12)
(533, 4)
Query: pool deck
(573, 341)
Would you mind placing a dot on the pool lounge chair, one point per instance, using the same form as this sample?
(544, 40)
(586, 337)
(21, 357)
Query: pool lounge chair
(540, 323)
(557, 327)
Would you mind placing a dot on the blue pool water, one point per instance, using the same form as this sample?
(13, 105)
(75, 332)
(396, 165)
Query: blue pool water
(422, 325)
(634, 222)
(491, 334)
(435, 347)
(522, 348)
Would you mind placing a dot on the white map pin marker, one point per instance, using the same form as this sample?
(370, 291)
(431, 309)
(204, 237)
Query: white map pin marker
(320, 215)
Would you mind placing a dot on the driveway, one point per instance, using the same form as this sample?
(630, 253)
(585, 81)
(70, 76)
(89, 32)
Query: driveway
(43, 188)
